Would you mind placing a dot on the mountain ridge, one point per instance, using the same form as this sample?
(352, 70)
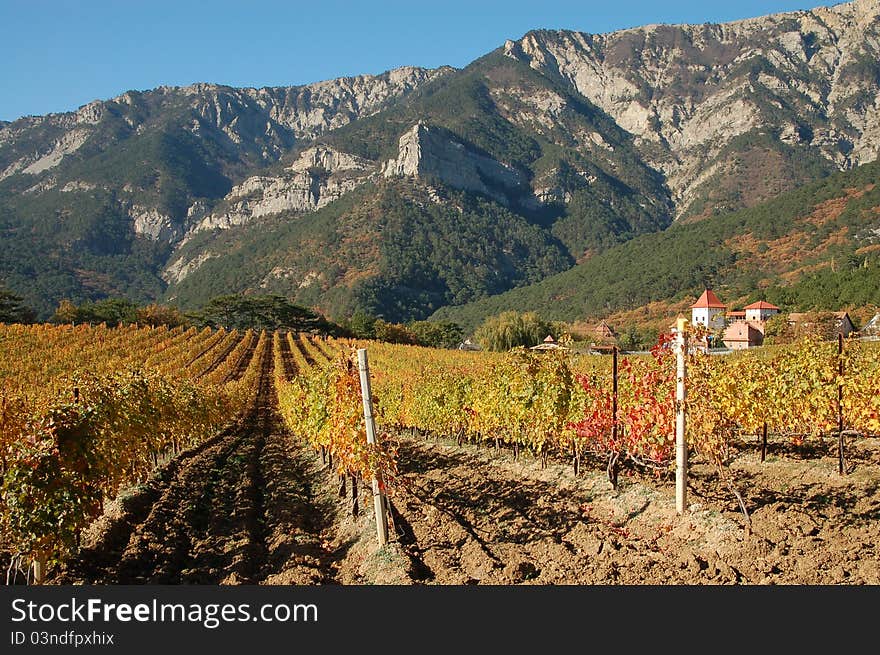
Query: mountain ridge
(590, 140)
(663, 108)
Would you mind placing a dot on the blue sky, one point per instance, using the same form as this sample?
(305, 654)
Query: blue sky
(60, 54)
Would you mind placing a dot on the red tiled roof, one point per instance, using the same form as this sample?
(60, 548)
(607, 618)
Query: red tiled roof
(708, 299)
(736, 313)
(761, 305)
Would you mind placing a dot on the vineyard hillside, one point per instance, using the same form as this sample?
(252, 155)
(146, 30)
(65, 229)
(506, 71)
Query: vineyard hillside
(154, 455)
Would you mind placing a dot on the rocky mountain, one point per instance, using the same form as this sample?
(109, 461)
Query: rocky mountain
(416, 189)
(730, 112)
(93, 202)
(254, 126)
(465, 188)
(317, 177)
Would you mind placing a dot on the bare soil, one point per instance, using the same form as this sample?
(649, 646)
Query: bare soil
(469, 515)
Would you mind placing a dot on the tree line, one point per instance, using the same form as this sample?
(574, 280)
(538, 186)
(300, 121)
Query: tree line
(500, 332)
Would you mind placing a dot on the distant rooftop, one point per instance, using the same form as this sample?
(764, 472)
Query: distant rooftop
(708, 299)
(761, 304)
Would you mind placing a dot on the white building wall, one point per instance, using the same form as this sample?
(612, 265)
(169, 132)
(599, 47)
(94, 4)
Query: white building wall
(759, 314)
(711, 317)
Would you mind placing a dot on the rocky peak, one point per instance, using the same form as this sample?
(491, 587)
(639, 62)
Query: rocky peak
(257, 124)
(328, 159)
(91, 113)
(311, 110)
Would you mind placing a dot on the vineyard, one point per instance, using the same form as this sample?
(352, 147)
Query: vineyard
(134, 455)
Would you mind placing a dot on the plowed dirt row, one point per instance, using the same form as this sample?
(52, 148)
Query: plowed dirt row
(248, 506)
(287, 360)
(220, 357)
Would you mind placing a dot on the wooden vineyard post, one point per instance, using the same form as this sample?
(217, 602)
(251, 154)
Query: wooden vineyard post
(39, 566)
(614, 459)
(680, 398)
(764, 441)
(378, 496)
(841, 464)
(614, 396)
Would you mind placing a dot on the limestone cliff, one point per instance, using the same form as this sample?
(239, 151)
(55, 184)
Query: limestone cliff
(431, 152)
(224, 131)
(809, 78)
(319, 176)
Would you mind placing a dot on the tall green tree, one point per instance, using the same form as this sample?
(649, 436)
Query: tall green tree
(155, 314)
(262, 312)
(437, 334)
(13, 309)
(510, 329)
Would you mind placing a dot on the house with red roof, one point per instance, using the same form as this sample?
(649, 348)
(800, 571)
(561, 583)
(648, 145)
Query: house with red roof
(760, 311)
(742, 328)
(743, 334)
(745, 328)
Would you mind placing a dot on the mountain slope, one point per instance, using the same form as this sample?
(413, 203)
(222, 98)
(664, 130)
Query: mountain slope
(777, 92)
(577, 171)
(92, 202)
(502, 170)
(824, 232)
(391, 247)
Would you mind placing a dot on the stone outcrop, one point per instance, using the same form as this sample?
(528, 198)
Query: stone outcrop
(68, 143)
(319, 176)
(314, 109)
(265, 121)
(432, 152)
(153, 224)
(178, 269)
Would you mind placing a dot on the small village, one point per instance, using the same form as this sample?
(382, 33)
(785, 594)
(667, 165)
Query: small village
(740, 329)
(728, 329)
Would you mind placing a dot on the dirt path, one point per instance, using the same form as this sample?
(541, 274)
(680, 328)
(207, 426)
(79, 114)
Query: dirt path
(288, 361)
(464, 519)
(473, 516)
(220, 357)
(306, 355)
(247, 506)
